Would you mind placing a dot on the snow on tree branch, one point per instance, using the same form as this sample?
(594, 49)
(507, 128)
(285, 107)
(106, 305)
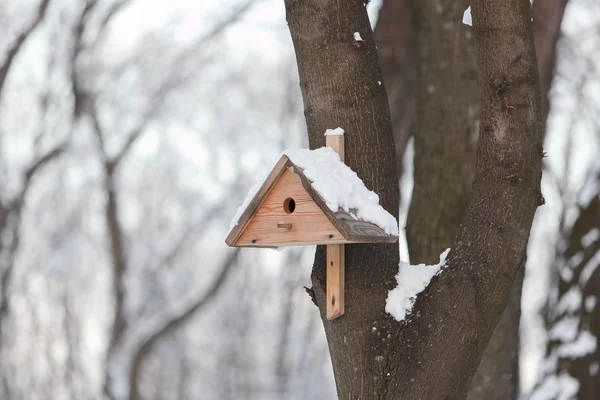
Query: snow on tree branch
(412, 280)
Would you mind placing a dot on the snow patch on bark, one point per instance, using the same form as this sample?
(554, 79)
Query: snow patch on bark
(584, 344)
(556, 387)
(565, 330)
(589, 269)
(569, 302)
(467, 18)
(412, 280)
(590, 303)
(589, 238)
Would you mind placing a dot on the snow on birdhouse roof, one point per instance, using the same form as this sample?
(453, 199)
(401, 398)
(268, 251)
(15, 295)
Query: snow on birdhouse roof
(339, 188)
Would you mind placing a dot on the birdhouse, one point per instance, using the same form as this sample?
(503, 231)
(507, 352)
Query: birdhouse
(312, 197)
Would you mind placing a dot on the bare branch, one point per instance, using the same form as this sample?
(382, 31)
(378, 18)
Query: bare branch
(80, 97)
(174, 323)
(186, 236)
(12, 216)
(14, 50)
(136, 132)
(117, 251)
(98, 132)
(112, 11)
(43, 160)
(174, 79)
(547, 18)
(86, 102)
(230, 20)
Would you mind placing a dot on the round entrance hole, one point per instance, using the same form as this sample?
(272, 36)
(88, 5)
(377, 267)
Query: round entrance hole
(289, 205)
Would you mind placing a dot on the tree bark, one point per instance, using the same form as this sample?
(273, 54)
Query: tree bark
(547, 18)
(445, 128)
(497, 377)
(373, 355)
(395, 35)
(342, 86)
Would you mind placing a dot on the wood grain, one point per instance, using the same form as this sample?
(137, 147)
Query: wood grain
(308, 222)
(336, 142)
(335, 280)
(335, 253)
(258, 199)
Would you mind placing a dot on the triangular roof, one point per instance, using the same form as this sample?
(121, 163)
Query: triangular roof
(330, 184)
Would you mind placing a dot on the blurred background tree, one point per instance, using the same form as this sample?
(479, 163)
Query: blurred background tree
(129, 133)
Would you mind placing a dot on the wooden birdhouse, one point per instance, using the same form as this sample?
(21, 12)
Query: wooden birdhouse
(312, 197)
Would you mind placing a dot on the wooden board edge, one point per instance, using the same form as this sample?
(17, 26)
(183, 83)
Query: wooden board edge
(257, 200)
(372, 239)
(298, 243)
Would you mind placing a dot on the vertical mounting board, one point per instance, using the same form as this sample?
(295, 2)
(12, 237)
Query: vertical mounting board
(335, 280)
(335, 253)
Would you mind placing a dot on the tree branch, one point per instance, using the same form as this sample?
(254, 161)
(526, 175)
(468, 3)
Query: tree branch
(184, 238)
(396, 38)
(10, 218)
(174, 323)
(117, 249)
(547, 18)
(497, 377)
(80, 97)
(114, 9)
(18, 44)
(86, 102)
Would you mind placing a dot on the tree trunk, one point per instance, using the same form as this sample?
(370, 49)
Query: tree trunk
(445, 128)
(373, 355)
(573, 352)
(395, 36)
(547, 18)
(340, 81)
(497, 377)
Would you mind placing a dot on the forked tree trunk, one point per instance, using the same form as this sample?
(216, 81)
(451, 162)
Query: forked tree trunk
(414, 36)
(435, 355)
(445, 127)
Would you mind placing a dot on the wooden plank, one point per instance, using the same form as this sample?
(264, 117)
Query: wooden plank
(257, 200)
(336, 142)
(335, 280)
(362, 231)
(295, 243)
(335, 253)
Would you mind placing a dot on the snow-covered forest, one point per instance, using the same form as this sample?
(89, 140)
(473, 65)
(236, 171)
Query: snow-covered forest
(131, 131)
